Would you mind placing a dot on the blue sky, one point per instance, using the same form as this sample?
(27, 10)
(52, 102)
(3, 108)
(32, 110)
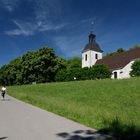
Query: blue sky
(64, 25)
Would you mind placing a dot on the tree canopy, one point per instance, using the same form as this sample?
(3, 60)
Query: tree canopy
(119, 50)
(135, 68)
(100, 71)
(34, 66)
(95, 72)
(135, 46)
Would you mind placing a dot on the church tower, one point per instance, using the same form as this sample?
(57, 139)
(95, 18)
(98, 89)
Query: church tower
(91, 53)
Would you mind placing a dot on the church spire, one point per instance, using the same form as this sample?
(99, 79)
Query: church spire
(92, 44)
(92, 25)
(92, 38)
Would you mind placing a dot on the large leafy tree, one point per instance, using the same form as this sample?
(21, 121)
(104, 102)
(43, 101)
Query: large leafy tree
(34, 66)
(135, 69)
(11, 73)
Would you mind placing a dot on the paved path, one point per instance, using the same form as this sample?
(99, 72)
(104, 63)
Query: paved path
(21, 121)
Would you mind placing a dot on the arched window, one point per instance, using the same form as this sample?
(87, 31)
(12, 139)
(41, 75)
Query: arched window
(96, 56)
(86, 57)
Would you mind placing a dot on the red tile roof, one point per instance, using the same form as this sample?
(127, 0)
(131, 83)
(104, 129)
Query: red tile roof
(121, 59)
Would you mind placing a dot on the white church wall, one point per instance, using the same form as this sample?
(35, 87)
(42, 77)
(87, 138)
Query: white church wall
(91, 58)
(124, 72)
(86, 63)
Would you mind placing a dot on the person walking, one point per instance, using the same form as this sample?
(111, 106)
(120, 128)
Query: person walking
(3, 91)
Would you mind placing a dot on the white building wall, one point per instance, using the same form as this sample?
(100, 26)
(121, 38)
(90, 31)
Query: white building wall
(91, 58)
(124, 72)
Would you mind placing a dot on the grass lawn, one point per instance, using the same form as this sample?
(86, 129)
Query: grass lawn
(91, 102)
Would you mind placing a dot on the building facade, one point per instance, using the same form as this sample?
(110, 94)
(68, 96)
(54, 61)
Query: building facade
(91, 53)
(120, 64)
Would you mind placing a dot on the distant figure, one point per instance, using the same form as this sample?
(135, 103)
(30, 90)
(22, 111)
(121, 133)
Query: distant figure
(3, 91)
(74, 78)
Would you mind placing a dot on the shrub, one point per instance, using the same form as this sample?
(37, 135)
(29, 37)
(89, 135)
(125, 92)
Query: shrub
(100, 72)
(135, 68)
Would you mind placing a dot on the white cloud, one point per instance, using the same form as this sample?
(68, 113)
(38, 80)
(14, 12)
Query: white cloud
(19, 32)
(10, 5)
(23, 28)
(47, 10)
(48, 27)
(30, 28)
(72, 46)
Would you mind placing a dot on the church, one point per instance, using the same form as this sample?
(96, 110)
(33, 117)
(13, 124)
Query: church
(120, 64)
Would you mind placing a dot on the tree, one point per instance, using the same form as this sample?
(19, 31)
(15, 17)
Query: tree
(72, 69)
(61, 75)
(86, 73)
(34, 66)
(135, 46)
(135, 69)
(100, 72)
(74, 63)
(119, 50)
(69, 74)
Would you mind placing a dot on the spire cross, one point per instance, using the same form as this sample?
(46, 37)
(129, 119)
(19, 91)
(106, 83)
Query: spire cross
(92, 26)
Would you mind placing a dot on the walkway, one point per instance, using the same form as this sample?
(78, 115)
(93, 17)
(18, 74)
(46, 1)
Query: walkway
(21, 121)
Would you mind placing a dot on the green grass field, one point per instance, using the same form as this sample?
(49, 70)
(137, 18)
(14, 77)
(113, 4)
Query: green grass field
(89, 102)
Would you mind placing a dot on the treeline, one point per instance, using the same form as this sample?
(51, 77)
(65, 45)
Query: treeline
(119, 50)
(94, 72)
(35, 66)
(44, 65)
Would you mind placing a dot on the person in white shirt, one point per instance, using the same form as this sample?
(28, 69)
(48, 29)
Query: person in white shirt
(3, 91)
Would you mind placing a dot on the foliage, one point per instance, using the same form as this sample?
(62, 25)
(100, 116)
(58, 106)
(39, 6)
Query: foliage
(100, 72)
(74, 63)
(134, 47)
(135, 68)
(95, 72)
(119, 50)
(72, 70)
(44, 66)
(86, 73)
(69, 74)
(120, 131)
(34, 66)
(61, 75)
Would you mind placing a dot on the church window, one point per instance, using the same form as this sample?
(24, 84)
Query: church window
(96, 56)
(86, 57)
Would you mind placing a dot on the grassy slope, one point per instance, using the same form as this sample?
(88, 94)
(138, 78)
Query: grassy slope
(87, 102)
